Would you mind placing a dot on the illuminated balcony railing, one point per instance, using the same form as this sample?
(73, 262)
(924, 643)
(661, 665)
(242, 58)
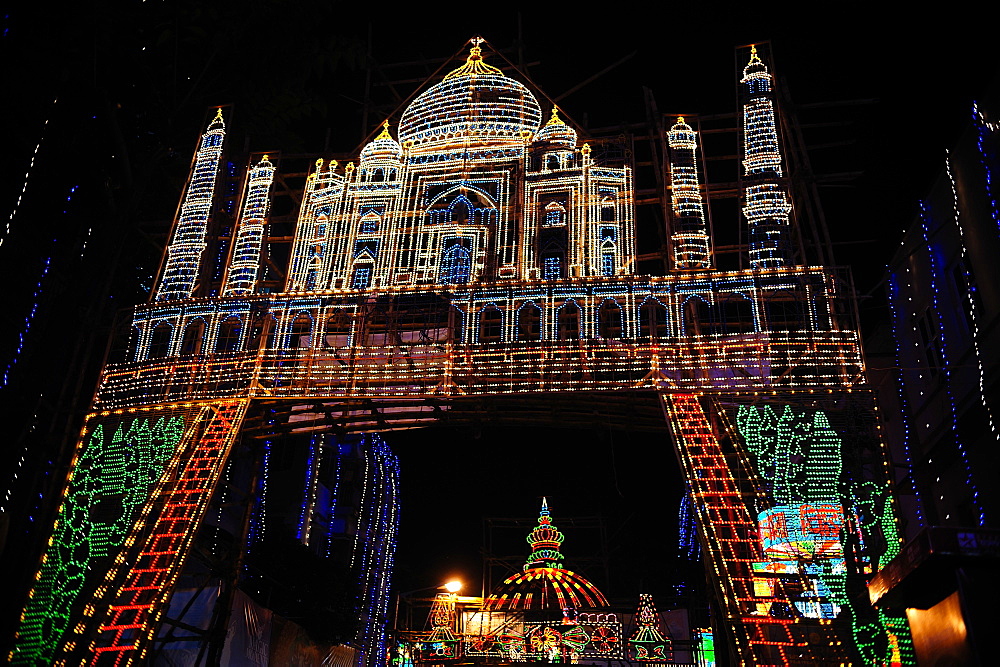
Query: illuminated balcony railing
(748, 362)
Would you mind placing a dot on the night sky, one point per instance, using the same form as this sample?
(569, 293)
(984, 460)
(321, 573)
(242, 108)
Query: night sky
(133, 82)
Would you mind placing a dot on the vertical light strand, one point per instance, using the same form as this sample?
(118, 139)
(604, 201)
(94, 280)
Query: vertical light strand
(970, 298)
(897, 319)
(27, 176)
(946, 364)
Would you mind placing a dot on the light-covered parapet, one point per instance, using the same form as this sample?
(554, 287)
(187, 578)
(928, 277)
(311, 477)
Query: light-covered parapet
(245, 264)
(689, 238)
(187, 244)
(765, 202)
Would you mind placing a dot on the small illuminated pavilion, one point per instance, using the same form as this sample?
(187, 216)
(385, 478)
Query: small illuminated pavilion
(544, 583)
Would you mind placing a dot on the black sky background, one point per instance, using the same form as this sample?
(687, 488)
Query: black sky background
(134, 79)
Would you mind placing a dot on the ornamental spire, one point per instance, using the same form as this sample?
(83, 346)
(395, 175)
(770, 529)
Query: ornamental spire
(474, 64)
(385, 131)
(545, 540)
(555, 119)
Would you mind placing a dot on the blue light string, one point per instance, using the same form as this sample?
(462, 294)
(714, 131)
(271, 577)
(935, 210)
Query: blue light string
(973, 313)
(934, 271)
(896, 321)
(981, 126)
(23, 334)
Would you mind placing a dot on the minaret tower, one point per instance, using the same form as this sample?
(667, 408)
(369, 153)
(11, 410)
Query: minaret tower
(689, 240)
(243, 268)
(765, 202)
(180, 271)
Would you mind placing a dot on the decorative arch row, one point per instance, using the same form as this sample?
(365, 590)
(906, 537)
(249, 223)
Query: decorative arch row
(611, 317)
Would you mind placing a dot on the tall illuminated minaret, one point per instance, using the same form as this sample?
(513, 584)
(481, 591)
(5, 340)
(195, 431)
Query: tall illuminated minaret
(765, 202)
(180, 272)
(689, 240)
(241, 278)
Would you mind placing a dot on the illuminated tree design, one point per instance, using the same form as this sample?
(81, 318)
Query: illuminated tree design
(110, 481)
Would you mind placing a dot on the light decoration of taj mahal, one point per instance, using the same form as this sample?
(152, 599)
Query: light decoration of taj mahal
(478, 248)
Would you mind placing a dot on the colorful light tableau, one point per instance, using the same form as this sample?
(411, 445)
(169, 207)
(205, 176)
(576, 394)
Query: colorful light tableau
(114, 470)
(799, 455)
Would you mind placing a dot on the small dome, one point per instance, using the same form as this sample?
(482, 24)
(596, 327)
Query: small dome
(474, 103)
(557, 132)
(383, 147)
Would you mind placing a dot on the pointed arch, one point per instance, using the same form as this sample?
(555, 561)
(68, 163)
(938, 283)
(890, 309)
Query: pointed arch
(456, 265)
(300, 331)
(554, 215)
(159, 340)
(652, 319)
(369, 223)
(529, 322)
(227, 338)
(697, 317)
(568, 320)
(462, 204)
(490, 324)
(609, 320)
(193, 340)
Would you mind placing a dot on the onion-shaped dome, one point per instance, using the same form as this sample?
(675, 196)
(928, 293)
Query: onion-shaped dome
(544, 584)
(475, 103)
(383, 147)
(557, 132)
(681, 135)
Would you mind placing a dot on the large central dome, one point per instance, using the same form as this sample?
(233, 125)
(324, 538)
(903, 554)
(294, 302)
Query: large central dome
(475, 104)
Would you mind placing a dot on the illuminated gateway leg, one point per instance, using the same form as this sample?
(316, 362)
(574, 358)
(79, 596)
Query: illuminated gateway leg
(482, 250)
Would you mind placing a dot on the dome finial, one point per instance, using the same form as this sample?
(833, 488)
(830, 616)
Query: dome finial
(756, 66)
(474, 63)
(217, 121)
(545, 540)
(554, 119)
(385, 131)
